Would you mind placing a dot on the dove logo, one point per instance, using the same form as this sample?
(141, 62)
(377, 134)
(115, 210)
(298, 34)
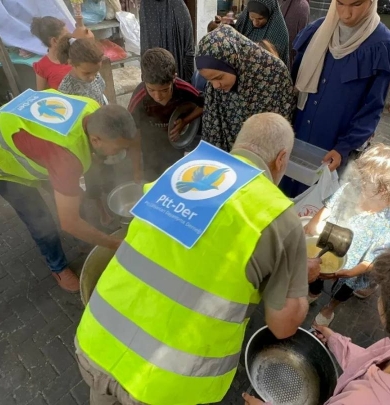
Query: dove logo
(52, 110)
(202, 179)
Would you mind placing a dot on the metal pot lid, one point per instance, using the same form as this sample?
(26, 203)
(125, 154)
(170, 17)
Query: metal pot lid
(189, 132)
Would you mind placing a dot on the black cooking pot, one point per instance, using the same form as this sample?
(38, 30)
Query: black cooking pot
(294, 371)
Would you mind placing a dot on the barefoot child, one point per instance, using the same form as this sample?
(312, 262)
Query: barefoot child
(49, 70)
(362, 205)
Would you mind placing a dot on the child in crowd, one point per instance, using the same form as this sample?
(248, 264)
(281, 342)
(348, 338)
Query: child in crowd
(362, 205)
(152, 105)
(366, 372)
(85, 55)
(49, 70)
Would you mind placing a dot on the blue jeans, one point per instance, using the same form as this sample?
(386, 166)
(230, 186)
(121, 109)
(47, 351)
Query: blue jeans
(33, 211)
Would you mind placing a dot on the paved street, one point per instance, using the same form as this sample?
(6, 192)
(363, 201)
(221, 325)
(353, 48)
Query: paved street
(38, 321)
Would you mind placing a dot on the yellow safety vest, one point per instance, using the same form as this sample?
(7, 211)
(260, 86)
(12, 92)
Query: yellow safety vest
(168, 322)
(15, 166)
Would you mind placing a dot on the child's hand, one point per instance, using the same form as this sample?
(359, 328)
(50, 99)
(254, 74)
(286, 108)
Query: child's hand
(314, 269)
(343, 274)
(251, 400)
(311, 228)
(323, 333)
(177, 129)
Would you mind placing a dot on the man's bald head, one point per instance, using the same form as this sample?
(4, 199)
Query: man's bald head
(112, 122)
(111, 129)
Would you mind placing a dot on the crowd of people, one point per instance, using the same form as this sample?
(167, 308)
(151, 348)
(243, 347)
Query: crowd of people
(257, 83)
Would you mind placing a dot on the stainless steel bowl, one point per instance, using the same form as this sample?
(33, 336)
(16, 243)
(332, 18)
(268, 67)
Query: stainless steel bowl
(122, 199)
(294, 371)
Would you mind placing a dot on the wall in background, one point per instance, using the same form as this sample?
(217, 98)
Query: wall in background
(206, 11)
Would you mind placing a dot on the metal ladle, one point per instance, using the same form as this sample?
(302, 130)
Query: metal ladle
(335, 239)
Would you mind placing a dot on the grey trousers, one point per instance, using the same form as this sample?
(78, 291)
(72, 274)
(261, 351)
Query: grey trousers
(104, 389)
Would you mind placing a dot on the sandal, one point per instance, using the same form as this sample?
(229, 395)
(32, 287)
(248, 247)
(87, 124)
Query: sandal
(321, 320)
(365, 292)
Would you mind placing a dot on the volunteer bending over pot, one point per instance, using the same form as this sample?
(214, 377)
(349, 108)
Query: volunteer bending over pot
(49, 136)
(366, 372)
(166, 321)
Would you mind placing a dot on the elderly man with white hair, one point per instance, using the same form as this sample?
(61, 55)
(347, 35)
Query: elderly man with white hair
(166, 321)
(278, 266)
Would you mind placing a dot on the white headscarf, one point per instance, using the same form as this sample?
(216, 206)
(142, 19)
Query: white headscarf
(328, 37)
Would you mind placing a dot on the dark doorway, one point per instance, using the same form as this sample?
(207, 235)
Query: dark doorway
(192, 6)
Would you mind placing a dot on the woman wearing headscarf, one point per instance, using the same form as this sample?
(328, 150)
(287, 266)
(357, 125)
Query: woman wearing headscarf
(296, 14)
(244, 80)
(342, 73)
(167, 24)
(262, 19)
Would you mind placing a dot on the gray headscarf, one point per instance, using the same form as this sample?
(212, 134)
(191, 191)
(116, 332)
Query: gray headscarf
(167, 24)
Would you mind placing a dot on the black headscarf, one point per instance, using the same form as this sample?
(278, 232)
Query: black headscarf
(258, 8)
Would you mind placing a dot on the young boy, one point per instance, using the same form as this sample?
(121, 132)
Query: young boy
(152, 104)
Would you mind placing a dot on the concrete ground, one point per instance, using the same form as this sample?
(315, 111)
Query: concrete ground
(38, 320)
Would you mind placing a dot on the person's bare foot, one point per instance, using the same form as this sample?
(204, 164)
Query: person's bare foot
(67, 280)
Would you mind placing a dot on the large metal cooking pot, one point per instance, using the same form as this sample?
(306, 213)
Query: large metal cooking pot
(294, 371)
(122, 199)
(93, 267)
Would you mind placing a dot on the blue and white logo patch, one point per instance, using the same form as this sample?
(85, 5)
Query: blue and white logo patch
(57, 112)
(185, 199)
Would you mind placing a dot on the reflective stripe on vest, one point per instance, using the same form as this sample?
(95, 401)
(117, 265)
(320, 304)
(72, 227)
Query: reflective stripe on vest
(155, 351)
(168, 322)
(22, 160)
(179, 290)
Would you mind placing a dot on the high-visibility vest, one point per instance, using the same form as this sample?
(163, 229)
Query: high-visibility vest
(15, 166)
(168, 322)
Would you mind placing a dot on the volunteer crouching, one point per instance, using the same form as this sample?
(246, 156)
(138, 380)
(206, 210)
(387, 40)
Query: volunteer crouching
(47, 136)
(210, 238)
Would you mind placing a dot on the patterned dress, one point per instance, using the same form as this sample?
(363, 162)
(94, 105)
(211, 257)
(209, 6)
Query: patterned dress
(371, 232)
(76, 87)
(263, 85)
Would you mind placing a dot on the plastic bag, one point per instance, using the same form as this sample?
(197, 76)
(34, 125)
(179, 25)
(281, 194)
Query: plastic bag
(310, 201)
(113, 51)
(112, 7)
(130, 30)
(93, 11)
